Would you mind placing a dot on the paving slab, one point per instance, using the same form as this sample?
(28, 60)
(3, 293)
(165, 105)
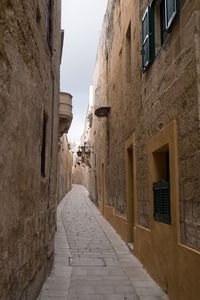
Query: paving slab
(91, 261)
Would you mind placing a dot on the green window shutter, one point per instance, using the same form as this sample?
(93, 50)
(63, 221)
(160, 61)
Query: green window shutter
(161, 196)
(171, 12)
(145, 40)
(148, 48)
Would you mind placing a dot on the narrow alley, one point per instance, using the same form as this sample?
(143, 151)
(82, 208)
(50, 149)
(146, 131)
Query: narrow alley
(99, 150)
(91, 261)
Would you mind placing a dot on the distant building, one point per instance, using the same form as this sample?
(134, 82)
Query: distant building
(82, 173)
(146, 136)
(30, 53)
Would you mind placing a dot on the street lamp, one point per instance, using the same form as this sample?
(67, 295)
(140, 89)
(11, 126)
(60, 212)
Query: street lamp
(88, 146)
(79, 152)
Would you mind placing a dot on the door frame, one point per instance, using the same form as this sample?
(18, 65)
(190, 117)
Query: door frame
(131, 194)
(102, 188)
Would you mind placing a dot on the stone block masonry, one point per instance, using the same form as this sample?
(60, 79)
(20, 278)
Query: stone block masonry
(30, 49)
(65, 168)
(91, 261)
(147, 73)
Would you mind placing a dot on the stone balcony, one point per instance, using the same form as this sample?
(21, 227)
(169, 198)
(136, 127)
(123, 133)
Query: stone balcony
(65, 112)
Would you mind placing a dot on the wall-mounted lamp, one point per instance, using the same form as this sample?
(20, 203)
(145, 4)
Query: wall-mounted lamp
(88, 146)
(79, 152)
(83, 149)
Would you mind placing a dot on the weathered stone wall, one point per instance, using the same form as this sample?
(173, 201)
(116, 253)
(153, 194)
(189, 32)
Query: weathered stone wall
(110, 134)
(169, 92)
(29, 87)
(144, 104)
(65, 168)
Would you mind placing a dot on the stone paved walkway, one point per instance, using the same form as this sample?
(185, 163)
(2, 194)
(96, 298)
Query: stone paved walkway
(91, 261)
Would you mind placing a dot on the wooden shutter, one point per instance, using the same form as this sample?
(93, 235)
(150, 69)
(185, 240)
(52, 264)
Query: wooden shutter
(147, 38)
(161, 196)
(171, 11)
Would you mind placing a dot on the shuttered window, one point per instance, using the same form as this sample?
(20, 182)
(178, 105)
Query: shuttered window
(155, 24)
(145, 41)
(147, 38)
(161, 197)
(171, 11)
(163, 32)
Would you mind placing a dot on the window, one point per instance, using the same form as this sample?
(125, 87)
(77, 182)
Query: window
(128, 53)
(147, 38)
(50, 23)
(43, 148)
(163, 32)
(156, 22)
(159, 24)
(161, 195)
(107, 79)
(53, 110)
(171, 11)
(161, 185)
(38, 15)
(107, 68)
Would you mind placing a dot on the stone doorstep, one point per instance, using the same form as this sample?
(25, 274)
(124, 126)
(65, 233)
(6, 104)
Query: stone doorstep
(130, 246)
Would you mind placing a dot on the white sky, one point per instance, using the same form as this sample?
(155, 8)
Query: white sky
(81, 21)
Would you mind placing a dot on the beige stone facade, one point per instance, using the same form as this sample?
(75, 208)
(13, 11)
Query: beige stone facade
(65, 168)
(147, 133)
(65, 160)
(30, 52)
(65, 112)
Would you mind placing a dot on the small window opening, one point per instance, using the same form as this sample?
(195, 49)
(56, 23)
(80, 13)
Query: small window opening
(50, 24)
(43, 149)
(120, 63)
(107, 79)
(107, 68)
(128, 53)
(38, 15)
(161, 185)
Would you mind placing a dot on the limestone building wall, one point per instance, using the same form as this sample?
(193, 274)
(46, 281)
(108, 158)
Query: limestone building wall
(169, 91)
(114, 89)
(65, 168)
(152, 126)
(80, 175)
(30, 50)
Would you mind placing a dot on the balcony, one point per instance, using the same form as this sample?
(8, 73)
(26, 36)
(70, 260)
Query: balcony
(65, 112)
